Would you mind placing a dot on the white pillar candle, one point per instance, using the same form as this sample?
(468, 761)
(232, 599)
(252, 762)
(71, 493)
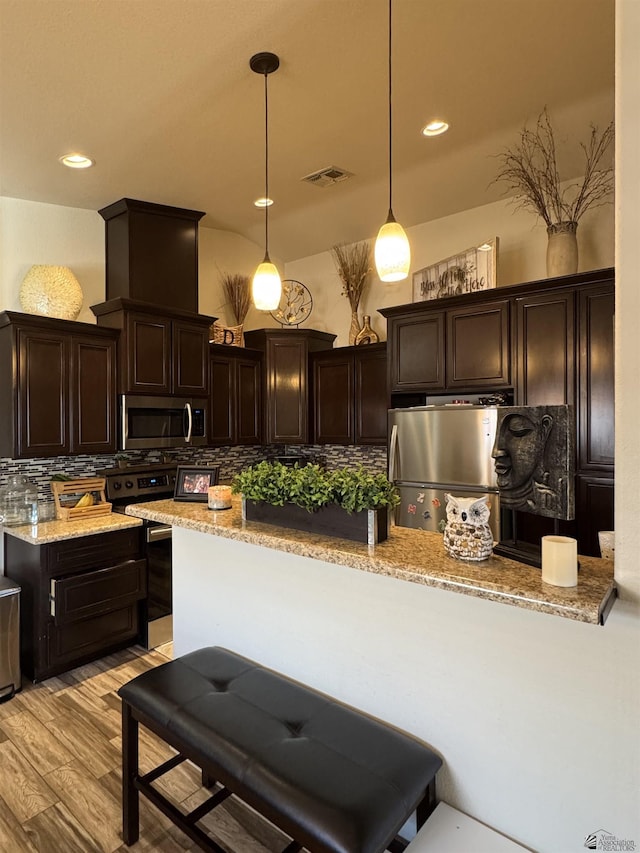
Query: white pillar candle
(560, 560)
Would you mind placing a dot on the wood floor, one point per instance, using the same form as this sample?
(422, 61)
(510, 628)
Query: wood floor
(60, 774)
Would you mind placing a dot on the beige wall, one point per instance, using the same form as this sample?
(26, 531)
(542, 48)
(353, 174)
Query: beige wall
(521, 257)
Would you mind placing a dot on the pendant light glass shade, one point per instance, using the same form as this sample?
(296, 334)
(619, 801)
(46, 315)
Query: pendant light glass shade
(392, 252)
(266, 288)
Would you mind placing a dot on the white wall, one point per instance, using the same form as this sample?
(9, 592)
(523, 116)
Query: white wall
(521, 257)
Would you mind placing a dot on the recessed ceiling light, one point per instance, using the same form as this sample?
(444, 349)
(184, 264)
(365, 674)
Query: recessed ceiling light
(485, 247)
(435, 128)
(263, 202)
(76, 161)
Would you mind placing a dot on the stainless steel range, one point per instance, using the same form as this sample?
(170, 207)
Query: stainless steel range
(138, 484)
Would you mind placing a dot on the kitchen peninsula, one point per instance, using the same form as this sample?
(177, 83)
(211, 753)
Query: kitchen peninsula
(385, 628)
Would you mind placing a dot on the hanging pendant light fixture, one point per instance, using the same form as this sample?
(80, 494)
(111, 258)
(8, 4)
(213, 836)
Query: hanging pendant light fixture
(392, 251)
(266, 288)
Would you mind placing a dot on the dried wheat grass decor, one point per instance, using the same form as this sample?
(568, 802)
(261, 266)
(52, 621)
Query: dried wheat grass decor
(353, 263)
(237, 291)
(530, 171)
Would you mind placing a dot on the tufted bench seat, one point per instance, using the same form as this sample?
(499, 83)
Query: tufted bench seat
(330, 777)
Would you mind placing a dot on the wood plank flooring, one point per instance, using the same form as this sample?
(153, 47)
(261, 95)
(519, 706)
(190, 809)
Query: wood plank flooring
(60, 773)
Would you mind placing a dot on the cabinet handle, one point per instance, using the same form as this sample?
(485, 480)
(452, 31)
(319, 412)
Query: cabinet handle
(187, 408)
(52, 598)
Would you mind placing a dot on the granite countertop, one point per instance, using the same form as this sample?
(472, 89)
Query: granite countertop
(410, 555)
(55, 531)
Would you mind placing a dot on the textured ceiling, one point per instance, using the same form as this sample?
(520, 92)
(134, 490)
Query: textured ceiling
(160, 94)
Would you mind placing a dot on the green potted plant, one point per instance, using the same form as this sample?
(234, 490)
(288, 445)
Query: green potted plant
(351, 503)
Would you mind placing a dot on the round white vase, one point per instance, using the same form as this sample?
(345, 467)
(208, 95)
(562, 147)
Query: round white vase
(562, 249)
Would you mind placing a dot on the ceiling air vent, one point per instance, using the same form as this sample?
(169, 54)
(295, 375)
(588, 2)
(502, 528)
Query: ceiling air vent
(328, 176)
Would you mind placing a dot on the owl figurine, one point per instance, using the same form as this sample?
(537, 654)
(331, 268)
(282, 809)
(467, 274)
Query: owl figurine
(467, 535)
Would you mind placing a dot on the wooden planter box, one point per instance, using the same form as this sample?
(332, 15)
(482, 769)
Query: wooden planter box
(369, 526)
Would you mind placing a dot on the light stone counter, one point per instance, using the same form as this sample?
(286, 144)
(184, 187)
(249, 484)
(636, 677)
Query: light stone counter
(409, 555)
(56, 531)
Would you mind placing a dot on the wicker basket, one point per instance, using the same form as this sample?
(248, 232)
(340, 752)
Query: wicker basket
(229, 335)
(67, 488)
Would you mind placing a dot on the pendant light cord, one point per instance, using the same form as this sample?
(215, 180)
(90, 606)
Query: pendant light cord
(390, 160)
(266, 169)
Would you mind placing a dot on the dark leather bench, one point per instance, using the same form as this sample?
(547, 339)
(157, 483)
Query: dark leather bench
(332, 778)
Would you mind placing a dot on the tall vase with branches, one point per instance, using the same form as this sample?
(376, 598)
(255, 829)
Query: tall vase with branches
(353, 263)
(530, 171)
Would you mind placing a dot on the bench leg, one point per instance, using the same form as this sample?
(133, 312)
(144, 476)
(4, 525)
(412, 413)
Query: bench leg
(130, 804)
(427, 804)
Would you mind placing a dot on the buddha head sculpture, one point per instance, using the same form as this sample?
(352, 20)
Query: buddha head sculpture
(534, 459)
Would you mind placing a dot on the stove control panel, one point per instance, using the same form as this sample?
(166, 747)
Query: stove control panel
(140, 485)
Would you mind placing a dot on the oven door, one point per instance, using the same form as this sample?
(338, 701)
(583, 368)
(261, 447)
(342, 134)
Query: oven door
(159, 620)
(148, 422)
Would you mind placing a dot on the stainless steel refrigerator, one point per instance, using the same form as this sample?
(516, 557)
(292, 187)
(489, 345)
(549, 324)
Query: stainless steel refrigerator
(438, 449)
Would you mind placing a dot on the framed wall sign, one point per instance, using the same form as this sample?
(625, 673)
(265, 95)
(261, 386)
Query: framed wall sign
(468, 271)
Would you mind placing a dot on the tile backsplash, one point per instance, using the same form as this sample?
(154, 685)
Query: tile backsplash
(230, 459)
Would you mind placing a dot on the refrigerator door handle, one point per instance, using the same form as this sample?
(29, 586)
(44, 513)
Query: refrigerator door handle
(393, 443)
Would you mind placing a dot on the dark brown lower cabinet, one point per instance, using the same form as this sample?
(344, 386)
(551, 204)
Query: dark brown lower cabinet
(80, 598)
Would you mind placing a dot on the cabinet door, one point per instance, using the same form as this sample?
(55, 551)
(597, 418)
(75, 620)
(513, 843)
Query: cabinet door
(93, 395)
(416, 352)
(148, 359)
(190, 343)
(221, 410)
(594, 497)
(596, 379)
(287, 389)
(545, 349)
(371, 395)
(478, 346)
(333, 397)
(43, 389)
(248, 409)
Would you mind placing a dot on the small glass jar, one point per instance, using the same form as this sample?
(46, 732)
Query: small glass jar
(20, 501)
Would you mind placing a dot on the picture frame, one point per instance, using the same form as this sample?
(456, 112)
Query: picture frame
(468, 271)
(193, 481)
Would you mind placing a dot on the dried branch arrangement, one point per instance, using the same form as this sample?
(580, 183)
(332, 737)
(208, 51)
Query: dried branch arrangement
(530, 169)
(237, 291)
(353, 263)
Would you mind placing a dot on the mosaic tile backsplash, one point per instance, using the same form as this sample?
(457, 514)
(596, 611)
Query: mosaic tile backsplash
(230, 459)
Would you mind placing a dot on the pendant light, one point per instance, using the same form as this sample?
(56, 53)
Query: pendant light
(266, 288)
(392, 252)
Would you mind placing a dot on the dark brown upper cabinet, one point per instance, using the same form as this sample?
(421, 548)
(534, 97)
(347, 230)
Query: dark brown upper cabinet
(415, 342)
(59, 380)
(457, 349)
(236, 395)
(545, 348)
(478, 343)
(286, 380)
(152, 253)
(349, 398)
(159, 353)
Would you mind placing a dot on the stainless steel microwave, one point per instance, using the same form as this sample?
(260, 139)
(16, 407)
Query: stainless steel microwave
(148, 422)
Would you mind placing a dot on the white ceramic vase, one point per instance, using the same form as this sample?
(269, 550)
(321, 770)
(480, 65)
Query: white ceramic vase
(562, 249)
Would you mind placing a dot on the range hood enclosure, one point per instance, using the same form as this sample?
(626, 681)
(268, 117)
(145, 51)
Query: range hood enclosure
(152, 253)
